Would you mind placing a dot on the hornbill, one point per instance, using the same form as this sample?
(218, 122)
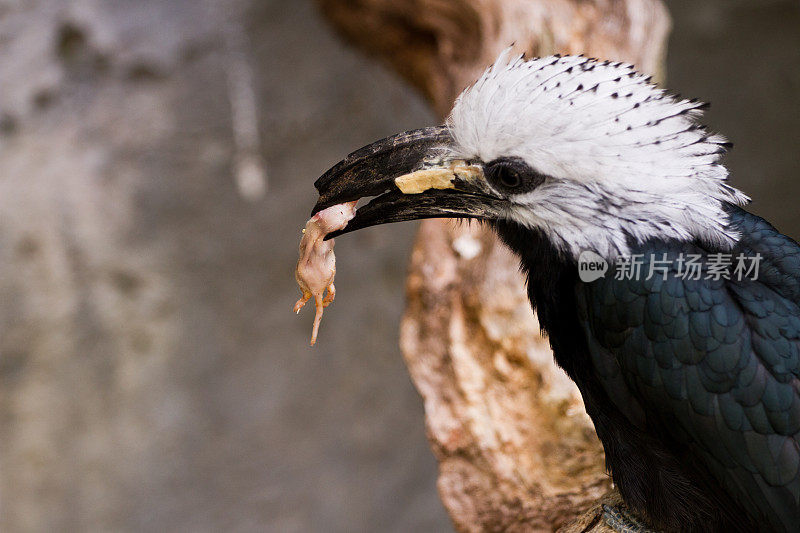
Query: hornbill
(692, 382)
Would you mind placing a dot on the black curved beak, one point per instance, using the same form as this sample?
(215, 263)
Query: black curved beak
(410, 176)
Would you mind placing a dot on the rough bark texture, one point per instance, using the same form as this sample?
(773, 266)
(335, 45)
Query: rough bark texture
(516, 450)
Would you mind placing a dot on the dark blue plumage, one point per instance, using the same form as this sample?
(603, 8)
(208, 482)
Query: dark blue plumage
(693, 385)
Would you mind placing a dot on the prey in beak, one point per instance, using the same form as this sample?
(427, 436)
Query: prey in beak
(409, 176)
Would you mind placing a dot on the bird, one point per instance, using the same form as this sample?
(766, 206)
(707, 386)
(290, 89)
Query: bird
(607, 187)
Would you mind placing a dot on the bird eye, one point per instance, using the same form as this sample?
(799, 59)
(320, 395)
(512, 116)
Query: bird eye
(508, 177)
(511, 175)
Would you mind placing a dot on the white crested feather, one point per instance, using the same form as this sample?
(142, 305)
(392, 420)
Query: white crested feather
(623, 157)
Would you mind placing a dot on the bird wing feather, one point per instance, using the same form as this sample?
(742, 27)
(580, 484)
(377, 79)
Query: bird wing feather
(713, 364)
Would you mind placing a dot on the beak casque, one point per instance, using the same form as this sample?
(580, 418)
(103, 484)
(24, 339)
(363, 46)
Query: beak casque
(408, 182)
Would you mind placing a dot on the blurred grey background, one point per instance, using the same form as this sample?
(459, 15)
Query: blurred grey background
(152, 375)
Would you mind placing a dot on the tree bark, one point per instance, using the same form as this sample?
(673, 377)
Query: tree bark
(516, 450)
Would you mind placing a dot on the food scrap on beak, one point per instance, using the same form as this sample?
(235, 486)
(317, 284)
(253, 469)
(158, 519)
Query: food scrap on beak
(439, 178)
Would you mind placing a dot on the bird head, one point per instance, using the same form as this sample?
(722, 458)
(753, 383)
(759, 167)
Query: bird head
(588, 153)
